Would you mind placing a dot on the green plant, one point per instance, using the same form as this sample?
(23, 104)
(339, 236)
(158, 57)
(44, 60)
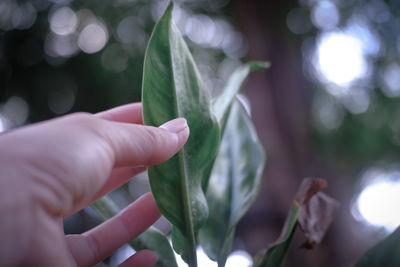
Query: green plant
(207, 187)
(172, 87)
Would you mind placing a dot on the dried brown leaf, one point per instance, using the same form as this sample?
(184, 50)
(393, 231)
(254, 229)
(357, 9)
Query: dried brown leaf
(317, 210)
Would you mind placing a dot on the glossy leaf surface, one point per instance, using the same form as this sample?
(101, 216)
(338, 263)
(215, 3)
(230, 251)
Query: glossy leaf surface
(385, 253)
(151, 239)
(223, 102)
(233, 185)
(172, 88)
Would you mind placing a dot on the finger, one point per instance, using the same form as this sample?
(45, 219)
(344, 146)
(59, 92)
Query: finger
(134, 145)
(143, 258)
(131, 113)
(118, 177)
(98, 243)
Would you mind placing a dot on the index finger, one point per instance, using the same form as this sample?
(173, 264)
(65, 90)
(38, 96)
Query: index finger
(130, 113)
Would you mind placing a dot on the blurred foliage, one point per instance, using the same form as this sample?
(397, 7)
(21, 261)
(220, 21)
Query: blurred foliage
(52, 63)
(50, 75)
(356, 121)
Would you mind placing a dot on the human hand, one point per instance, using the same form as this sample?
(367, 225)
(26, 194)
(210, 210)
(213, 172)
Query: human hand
(50, 170)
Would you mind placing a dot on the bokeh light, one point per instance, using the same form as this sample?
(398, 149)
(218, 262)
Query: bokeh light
(358, 100)
(61, 100)
(16, 110)
(342, 62)
(391, 80)
(130, 31)
(239, 258)
(16, 15)
(93, 37)
(2, 124)
(377, 203)
(61, 45)
(327, 113)
(200, 29)
(63, 21)
(13, 113)
(325, 15)
(340, 58)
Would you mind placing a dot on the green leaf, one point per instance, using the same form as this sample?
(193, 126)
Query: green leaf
(276, 254)
(313, 211)
(179, 243)
(156, 241)
(151, 239)
(385, 253)
(172, 88)
(233, 185)
(223, 102)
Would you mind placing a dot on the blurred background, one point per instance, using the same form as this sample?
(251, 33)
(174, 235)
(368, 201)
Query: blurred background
(328, 107)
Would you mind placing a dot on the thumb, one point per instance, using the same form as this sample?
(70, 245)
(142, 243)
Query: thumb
(139, 145)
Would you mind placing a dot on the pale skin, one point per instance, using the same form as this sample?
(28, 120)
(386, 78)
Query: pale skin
(50, 170)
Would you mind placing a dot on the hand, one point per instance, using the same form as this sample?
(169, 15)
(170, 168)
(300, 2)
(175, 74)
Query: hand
(50, 170)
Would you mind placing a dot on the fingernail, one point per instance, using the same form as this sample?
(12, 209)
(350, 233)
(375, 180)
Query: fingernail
(175, 126)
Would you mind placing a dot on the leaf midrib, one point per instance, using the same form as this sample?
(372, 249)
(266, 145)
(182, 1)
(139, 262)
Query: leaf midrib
(181, 157)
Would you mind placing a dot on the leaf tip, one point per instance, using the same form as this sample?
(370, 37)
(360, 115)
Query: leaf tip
(167, 14)
(308, 188)
(170, 6)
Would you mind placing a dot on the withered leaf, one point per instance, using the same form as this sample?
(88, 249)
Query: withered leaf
(316, 210)
(313, 211)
